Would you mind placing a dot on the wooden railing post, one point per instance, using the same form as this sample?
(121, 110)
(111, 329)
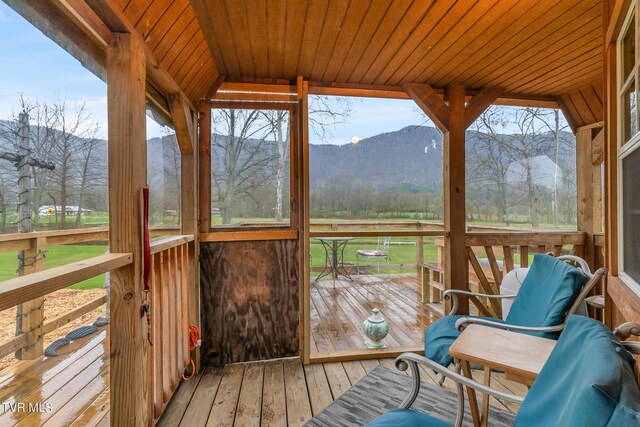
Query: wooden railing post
(127, 176)
(419, 254)
(30, 317)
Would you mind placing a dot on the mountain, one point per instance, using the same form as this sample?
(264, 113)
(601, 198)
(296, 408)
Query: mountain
(408, 159)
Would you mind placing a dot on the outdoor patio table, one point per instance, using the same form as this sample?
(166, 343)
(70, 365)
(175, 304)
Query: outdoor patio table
(519, 355)
(334, 256)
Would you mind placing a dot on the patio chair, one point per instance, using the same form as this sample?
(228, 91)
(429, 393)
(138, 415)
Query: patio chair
(380, 253)
(553, 289)
(588, 380)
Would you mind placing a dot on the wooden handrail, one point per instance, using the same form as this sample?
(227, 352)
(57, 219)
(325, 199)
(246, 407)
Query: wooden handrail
(164, 243)
(26, 288)
(378, 233)
(519, 238)
(22, 241)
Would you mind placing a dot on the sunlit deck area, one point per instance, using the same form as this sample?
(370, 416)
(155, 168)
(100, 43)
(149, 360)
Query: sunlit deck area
(337, 313)
(69, 390)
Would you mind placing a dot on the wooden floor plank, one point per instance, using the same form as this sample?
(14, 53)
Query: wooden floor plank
(274, 401)
(224, 407)
(94, 413)
(358, 312)
(250, 402)
(338, 379)
(298, 405)
(38, 374)
(201, 401)
(87, 367)
(63, 396)
(370, 365)
(69, 412)
(173, 414)
(318, 386)
(355, 371)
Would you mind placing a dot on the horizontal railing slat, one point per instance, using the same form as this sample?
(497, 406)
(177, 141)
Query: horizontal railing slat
(25, 288)
(13, 345)
(378, 233)
(526, 238)
(69, 317)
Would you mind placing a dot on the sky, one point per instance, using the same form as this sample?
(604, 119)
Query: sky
(34, 66)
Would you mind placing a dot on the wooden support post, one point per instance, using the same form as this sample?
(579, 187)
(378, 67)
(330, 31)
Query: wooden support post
(127, 176)
(189, 209)
(455, 251)
(585, 195)
(419, 254)
(453, 119)
(32, 314)
(204, 160)
(303, 236)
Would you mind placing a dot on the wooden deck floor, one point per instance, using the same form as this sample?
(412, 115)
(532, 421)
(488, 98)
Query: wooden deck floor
(337, 314)
(278, 393)
(71, 389)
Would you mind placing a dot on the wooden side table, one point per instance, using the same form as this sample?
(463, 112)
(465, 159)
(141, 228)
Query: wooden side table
(519, 355)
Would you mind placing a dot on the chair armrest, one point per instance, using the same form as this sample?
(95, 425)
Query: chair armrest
(453, 294)
(411, 361)
(463, 322)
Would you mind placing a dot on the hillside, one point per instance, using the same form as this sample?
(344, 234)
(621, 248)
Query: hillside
(409, 158)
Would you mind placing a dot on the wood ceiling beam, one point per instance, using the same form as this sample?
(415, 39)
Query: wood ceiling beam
(480, 102)
(430, 102)
(215, 87)
(567, 114)
(115, 20)
(182, 123)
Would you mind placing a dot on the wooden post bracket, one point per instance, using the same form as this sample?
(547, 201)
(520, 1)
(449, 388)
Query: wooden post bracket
(437, 110)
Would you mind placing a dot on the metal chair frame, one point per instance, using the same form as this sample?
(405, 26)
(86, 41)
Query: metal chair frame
(382, 245)
(581, 264)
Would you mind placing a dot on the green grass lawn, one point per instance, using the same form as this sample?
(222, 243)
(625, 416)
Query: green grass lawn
(398, 254)
(57, 256)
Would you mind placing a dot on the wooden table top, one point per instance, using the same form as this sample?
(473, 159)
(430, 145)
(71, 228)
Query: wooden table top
(515, 353)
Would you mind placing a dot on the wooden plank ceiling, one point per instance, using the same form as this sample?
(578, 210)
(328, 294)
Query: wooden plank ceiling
(529, 47)
(170, 29)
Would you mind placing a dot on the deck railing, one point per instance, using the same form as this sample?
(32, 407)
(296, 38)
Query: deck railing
(502, 251)
(30, 289)
(169, 354)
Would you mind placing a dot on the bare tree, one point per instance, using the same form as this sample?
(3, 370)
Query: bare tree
(68, 128)
(171, 159)
(243, 158)
(279, 122)
(489, 160)
(551, 121)
(89, 169)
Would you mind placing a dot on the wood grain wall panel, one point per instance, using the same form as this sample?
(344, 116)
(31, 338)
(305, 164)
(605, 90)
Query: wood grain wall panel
(250, 301)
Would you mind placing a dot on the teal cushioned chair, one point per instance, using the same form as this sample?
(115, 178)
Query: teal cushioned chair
(552, 290)
(588, 380)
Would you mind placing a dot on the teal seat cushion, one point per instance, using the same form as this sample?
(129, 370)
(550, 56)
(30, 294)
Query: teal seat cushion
(439, 336)
(587, 381)
(407, 418)
(548, 291)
